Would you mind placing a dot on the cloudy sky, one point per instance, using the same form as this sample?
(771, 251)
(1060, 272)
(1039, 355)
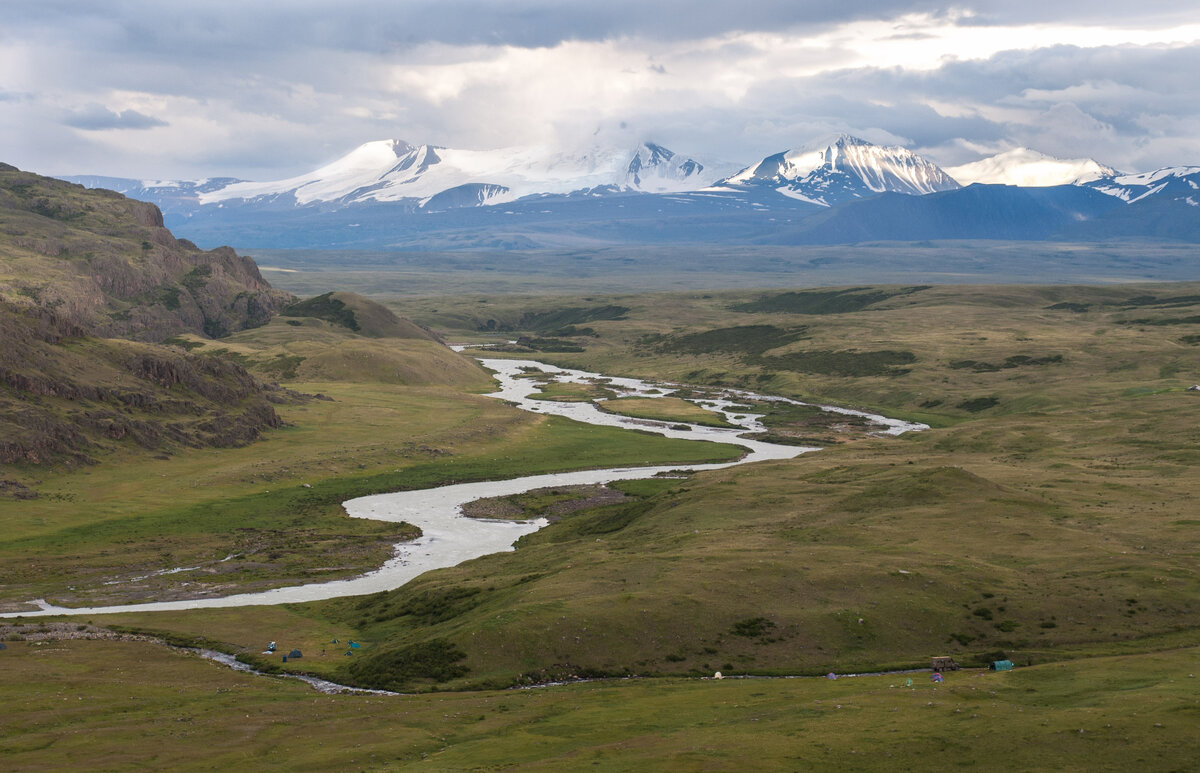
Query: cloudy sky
(264, 90)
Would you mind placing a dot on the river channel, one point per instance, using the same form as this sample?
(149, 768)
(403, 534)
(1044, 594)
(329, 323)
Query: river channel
(449, 538)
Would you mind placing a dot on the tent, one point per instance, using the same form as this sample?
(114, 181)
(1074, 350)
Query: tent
(354, 645)
(295, 654)
(1002, 665)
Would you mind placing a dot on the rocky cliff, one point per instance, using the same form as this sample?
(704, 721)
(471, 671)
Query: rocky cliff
(106, 264)
(90, 284)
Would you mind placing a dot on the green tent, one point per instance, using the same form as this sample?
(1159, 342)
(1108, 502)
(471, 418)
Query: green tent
(1002, 665)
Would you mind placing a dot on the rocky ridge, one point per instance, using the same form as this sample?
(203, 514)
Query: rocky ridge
(91, 284)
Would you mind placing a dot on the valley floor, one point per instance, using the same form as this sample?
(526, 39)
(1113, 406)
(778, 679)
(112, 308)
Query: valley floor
(1046, 516)
(125, 705)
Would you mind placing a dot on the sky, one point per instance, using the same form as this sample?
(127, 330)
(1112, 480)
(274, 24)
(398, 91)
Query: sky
(264, 90)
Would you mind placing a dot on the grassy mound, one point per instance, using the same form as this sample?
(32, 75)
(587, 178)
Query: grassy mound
(359, 315)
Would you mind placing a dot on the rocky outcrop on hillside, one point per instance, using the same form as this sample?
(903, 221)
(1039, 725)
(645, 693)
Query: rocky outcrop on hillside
(65, 397)
(90, 284)
(105, 263)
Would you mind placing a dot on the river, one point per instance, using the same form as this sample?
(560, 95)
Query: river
(449, 538)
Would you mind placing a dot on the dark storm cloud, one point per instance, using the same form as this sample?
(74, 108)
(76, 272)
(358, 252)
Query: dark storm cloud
(235, 27)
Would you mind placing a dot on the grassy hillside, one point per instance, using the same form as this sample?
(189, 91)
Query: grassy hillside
(358, 314)
(302, 349)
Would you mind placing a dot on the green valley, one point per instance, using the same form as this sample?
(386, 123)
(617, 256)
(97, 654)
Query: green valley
(1044, 517)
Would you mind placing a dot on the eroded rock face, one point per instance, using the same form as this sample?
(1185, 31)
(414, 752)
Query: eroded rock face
(90, 283)
(106, 263)
(66, 398)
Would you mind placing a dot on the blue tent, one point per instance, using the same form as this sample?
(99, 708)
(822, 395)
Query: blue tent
(1002, 665)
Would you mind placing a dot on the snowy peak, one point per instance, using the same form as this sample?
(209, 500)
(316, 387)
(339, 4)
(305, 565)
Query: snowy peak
(365, 167)
(836, 169)
(1176, 183)
(394, 170)
(655, 169)
(1030, 169)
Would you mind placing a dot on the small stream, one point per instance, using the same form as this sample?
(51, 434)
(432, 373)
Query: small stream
(449, 538)
(321, 685)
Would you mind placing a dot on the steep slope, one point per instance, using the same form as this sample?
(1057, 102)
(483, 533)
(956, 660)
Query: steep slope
(1177, 183)
(106, 264)
(68, 397)
(975, 212)
(82, 270)
(842, 168)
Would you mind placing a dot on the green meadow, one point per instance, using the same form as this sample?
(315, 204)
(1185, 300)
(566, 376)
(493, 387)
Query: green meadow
(127, 705)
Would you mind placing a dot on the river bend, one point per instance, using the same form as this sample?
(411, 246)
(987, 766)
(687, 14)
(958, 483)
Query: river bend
(449, 538)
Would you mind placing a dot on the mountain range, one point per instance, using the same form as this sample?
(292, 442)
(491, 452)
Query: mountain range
(840, 189)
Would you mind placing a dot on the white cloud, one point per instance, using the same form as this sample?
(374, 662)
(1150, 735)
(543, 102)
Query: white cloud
(227, 88)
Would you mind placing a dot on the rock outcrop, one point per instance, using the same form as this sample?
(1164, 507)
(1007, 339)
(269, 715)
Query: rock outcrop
(90, 285)
(106, 263)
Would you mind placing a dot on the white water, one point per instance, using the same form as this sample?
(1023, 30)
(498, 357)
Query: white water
(449, 538)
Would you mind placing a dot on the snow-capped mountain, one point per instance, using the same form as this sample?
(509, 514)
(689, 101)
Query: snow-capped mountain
(1030, 169)
(393, 170)
(654, 169)
(842, 168)
(1176, 183)
(389, 194)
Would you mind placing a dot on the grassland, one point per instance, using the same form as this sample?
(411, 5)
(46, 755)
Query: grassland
(444, 278)
(120, 706)
(664, 409)
(390, 413)
(1047, 516)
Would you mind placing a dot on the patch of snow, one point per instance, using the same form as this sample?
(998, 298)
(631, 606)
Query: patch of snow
(1030, 169)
